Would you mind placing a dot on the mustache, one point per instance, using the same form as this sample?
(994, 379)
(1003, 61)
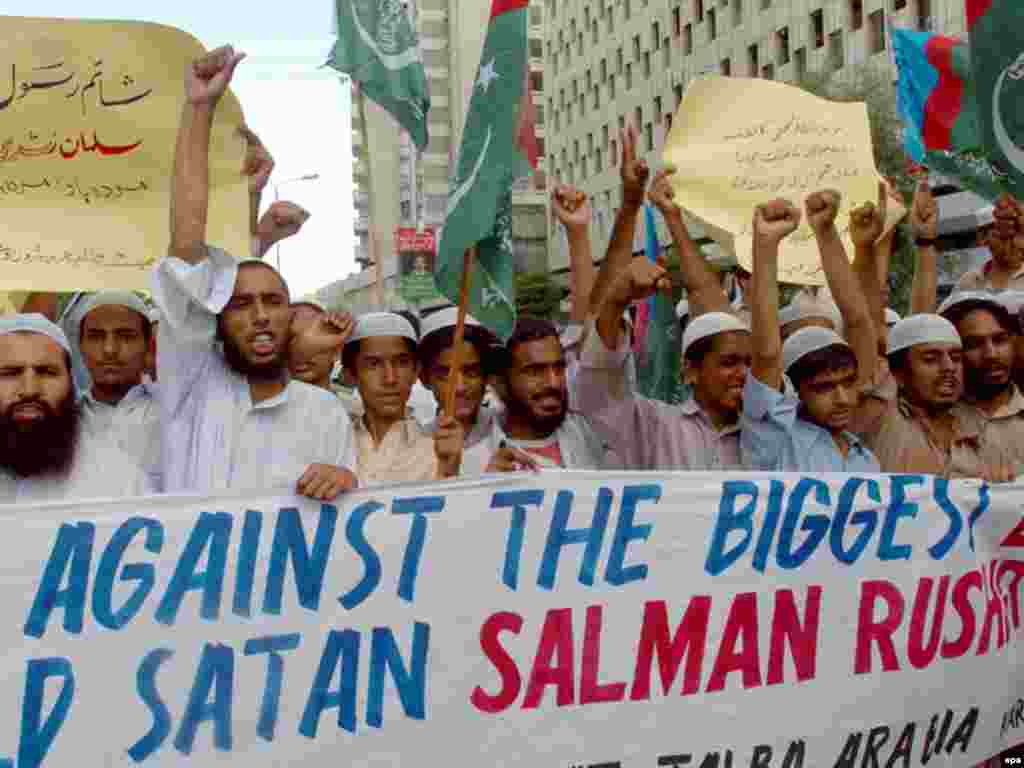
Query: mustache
(550, 393)
(46, 407)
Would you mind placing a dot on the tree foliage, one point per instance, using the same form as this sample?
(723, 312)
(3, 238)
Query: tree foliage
(874, 86)
(537, 295)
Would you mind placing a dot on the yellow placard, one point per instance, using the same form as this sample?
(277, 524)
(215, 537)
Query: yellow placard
(739, 142)
(89, 113)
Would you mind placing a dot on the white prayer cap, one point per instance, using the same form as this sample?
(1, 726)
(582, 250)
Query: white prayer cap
(711, 324)
(34, 323)
(922, 329)
(444, 318)
(891, 317)
(376, 324)
(1012, 300)
(986, 216)
(959, 304)
(808, 340)
(111, 299)
(310, 302)
(805, 308)
(682, 309)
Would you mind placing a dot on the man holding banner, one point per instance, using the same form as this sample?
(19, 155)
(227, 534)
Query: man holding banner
(231, 417)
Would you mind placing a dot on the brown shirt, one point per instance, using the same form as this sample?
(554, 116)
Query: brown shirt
(1006, 427)
(901, 438)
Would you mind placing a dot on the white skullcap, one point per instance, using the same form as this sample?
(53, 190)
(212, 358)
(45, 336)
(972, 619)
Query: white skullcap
(682, 309)
(804, 308)
(891, 317)
(112, 299)
(983, 298)
(1012, 300)
(444, 318)
(808, 340)
(376, 324)
(155, 315)
(922, 329)
(711, 324)
(986, 216)
(34, 323)
(312, 303)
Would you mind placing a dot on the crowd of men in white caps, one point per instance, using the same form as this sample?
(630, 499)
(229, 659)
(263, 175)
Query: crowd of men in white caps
(228, 387)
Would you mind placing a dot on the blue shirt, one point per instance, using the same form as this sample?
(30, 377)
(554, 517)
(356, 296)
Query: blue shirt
(773, 438)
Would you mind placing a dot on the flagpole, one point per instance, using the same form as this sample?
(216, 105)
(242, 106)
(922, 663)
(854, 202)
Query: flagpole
(460, 332)
(378, 282)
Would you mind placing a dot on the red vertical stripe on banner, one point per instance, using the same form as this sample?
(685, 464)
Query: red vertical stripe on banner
(504, 6)
(975, 10)
(946, 100)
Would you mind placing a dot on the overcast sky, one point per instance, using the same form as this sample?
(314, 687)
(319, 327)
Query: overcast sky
(300, 111)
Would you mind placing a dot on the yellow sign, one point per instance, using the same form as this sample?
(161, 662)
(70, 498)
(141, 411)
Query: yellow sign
(739, 142)
(89, 112)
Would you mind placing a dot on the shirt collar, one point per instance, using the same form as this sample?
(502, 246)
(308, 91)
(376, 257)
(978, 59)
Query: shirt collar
(691, 409)
(139, 391)
(1014, 407)
(964, 430)
(271, 402)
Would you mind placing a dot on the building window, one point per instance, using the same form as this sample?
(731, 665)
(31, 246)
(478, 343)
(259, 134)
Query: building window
(666, 54)
(768, 72)
(636, 48)
(655, 35)
(594, 35)
(737, 12)
(613, 153)
(725, 67)
(604, 70)
(619, 62)
(649, 137)
(818, 28)
(677, 92)
(800, 63)
(657, 110)
(535, 15)
(698, 10)
(925, 23)
(782, 38)
(753, 65)
(712, 28)
(647, 64)
(598, 162)
(677, 21)
(876, 24)
(629, 76)
(536, 49)
(836, 55)
(688, 40)
(856, 14)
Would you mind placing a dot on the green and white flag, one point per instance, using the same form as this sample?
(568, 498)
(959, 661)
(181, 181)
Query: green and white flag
(377, 48)
(997, 67)
(498, 146)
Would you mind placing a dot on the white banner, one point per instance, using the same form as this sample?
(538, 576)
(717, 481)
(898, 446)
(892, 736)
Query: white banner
(547, 621)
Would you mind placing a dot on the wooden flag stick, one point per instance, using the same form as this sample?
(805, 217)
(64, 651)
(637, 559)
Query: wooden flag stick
(455, 374)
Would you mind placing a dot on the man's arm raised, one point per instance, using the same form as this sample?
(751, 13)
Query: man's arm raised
(206, 79)
(773, 222)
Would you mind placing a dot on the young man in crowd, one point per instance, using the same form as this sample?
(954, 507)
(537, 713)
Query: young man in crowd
(811, 432)
(45, 454)
(805, 311)
(231, 417)
(391, 445)
(112, 334)
(1001, 229)
(988, 332)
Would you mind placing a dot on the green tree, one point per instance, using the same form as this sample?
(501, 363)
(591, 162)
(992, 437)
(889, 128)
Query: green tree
(537, 295)
(874, 86)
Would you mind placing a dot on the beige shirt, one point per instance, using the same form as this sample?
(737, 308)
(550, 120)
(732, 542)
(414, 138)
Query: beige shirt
(405, 455)
(902, 441)
(1006, 427)
(980, 279)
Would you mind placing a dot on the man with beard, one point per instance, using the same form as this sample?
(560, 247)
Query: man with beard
(988, 331)
(537, 420)
(231, 417)
(111, 332)
(44, 454)
(392, 446)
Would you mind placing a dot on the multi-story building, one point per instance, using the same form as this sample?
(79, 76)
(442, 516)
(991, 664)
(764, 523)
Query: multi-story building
(411, 192)
(613, 62)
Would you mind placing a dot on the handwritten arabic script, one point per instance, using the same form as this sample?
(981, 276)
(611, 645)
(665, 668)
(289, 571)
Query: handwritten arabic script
(91, 88)
(83, 257)
(72, 188)
(35, 146)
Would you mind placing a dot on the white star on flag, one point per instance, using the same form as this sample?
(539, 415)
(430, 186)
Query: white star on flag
(487, 75)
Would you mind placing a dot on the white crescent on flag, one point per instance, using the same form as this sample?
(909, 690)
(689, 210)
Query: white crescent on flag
(1013, 153)
(463, 189)
(393, 61)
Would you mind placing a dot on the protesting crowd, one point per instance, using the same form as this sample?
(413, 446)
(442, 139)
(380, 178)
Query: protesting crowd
(227, 385)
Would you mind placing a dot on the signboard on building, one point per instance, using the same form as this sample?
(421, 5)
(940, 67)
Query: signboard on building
(416, 252)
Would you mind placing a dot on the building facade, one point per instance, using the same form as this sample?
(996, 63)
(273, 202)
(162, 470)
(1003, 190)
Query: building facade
(613, 62)
(398, 190)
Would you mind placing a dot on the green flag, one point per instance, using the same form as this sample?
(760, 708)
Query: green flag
(377, 48)
(997, 64)
(498, 146)
(658, 369)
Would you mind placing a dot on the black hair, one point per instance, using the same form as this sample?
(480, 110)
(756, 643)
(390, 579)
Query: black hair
(1002, 315)
(700, 349)
(435, 343)
(527, 329)
(899, 360)
(834, 357)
